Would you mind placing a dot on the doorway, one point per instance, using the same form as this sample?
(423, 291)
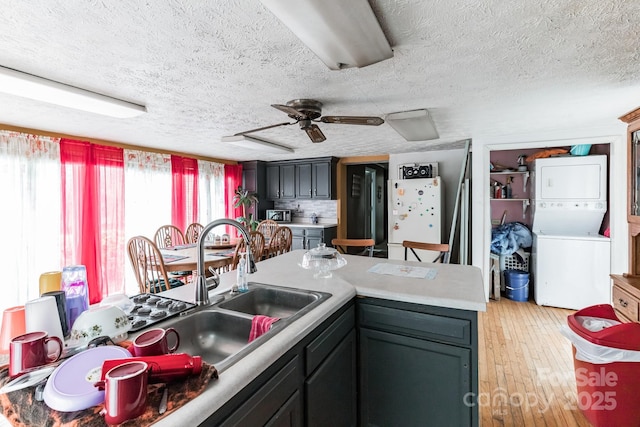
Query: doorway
(519, 207)
(366, 203)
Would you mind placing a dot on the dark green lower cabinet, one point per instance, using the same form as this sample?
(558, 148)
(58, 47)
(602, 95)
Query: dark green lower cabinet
(277, 403)
(417, 364)
(412, 382)
(290, 414)
(313, 384)
(385, 364)
(331, 390)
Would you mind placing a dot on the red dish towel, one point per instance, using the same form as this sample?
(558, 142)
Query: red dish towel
(261, 324)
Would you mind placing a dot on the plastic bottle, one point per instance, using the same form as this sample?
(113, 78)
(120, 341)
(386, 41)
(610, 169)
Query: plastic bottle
(163, 368)
(74, 285)
(241, 274)
(508, 189)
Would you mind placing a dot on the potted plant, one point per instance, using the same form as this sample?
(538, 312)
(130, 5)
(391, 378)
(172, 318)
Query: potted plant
(244, 199)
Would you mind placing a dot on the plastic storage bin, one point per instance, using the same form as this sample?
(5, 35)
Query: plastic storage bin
(512, 262)
(580, 149)
(606, 356)
(517, 285)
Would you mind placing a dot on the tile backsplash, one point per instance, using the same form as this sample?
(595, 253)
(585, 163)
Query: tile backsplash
(301, 210)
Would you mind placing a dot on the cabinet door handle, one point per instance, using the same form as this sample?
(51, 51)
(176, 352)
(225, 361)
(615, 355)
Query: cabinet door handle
(309, 191)
(622, 302)
(315, 191)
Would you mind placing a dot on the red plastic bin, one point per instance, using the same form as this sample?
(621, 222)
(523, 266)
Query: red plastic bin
(608, 393)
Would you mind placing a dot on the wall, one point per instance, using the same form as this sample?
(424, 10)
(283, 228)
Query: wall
(325, 209)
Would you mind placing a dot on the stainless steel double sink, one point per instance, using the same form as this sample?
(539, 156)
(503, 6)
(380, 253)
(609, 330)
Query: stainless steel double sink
(220, 333)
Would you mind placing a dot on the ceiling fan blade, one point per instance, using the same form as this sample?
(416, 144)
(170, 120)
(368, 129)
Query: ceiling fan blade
(353, 120)
(292, 112)
(263, 128)
(314, 133)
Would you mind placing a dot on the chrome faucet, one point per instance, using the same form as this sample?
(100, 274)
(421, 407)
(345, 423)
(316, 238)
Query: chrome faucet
(202, 291)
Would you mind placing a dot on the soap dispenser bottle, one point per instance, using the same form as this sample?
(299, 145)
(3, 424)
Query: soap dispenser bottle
(241, 274)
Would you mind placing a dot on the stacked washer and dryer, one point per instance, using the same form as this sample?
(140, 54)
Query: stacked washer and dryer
(570, 259)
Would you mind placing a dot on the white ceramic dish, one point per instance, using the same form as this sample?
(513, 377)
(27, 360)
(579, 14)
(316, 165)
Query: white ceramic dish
(99, 321)
(119, 300)
(71, 386)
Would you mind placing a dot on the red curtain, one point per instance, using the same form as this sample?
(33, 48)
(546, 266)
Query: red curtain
(232, 180)
(93, 214)
(184, 191)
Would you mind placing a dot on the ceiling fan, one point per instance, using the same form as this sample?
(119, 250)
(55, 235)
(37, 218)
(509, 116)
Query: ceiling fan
(307, 111)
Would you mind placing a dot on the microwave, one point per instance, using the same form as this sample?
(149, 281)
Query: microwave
(279, 215)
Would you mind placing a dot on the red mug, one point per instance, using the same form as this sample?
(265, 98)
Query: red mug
(154, 342)
(125, 392)
(29, 351)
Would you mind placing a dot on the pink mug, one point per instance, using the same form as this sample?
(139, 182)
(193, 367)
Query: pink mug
(154, 342)
(29, 351)
(125, 395)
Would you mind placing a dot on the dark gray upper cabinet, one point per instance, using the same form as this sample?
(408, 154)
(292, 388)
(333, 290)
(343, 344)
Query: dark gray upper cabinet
(304, 186)
(302, 179)
(323, 179)
(254, 180)
(281, 181)
(288, 181)
(273, 181)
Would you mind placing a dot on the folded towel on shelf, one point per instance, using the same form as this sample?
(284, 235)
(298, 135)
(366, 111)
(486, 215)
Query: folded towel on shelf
(261, 324)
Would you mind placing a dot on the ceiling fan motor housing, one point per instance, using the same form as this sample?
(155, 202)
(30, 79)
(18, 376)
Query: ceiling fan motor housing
(310, 108)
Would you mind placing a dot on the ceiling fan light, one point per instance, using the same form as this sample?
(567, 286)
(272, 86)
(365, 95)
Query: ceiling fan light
(414, 125)
(343, 34)
(25, 85)
(255, 143)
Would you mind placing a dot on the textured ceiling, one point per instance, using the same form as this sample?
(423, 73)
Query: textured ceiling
(205, 69)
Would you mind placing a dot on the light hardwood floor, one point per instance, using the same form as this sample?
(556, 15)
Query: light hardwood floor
(526, 374)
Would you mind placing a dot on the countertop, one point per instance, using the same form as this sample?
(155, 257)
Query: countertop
(309, 225)
(454, 286)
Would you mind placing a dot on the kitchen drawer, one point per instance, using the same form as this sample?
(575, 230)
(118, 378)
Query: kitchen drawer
(416, 324)
(625, 303)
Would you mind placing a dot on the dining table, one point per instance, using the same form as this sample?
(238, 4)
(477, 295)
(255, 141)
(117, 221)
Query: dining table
(185, 257)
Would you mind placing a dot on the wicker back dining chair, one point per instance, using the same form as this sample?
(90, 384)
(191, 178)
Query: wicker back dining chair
(167, 236)
(268, 228)
(257, 248)
(442, 248)
(192, 232)
(148, 266)
(281, 241)
(343, 245)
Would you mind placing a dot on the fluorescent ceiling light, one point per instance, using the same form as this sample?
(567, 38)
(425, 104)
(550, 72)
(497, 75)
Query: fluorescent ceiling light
(415, 125)
(29, 86)
(255, 143)
(343, 33)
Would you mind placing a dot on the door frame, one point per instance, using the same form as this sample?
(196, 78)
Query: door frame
(341, 188)
(481, 224)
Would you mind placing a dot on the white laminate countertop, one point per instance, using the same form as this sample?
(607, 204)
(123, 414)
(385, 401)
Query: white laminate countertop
(308, 225)
(454, 286)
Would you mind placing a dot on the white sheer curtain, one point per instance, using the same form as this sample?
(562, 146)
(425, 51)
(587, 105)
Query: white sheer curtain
(147, 182)
(211, 191)
(30, 223)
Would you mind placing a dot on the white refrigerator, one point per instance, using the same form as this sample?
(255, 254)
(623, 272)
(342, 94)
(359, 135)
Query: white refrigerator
(415, 213)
